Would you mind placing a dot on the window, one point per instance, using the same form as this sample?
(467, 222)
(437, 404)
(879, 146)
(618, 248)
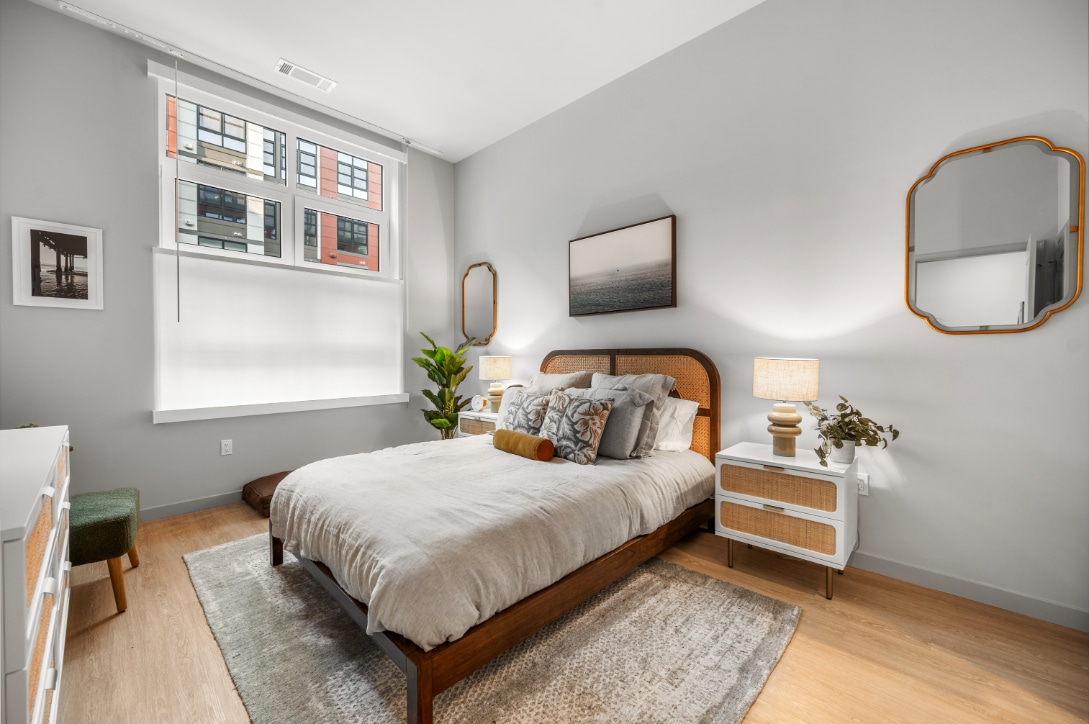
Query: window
(339, 175)
(202, 135)
(239, 193)
(317, 233)
(340, 240)
(250, 223)
(351, 236)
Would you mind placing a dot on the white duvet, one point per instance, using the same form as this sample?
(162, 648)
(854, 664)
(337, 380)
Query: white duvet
(437, 537)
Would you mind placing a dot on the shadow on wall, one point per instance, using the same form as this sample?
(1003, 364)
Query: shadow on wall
(605, 214)
(1062, 127)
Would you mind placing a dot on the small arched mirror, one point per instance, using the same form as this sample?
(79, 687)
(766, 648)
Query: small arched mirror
(994, 237)
(478, 303)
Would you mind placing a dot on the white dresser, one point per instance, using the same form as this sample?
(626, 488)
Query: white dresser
(790, 505)
(35, 570)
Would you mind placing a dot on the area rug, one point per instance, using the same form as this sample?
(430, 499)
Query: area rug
(664, 644)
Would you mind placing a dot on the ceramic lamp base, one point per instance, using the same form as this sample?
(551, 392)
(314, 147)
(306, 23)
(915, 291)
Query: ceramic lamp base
(495, 396)
(784, 419)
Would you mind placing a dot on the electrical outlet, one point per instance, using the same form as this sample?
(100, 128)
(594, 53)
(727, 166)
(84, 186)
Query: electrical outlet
(226, 447)
(863, 483)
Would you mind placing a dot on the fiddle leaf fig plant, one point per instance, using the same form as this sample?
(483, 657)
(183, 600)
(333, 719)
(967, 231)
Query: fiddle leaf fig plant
(848, 425)
(446, 368)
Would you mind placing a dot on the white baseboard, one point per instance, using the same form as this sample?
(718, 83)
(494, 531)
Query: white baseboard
(190, 506)
(1016, 602)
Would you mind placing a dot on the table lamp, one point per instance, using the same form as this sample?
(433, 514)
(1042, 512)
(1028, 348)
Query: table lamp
(495, 369)
(785, 380)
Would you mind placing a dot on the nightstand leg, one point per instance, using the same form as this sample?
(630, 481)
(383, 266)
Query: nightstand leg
(729, 552)
(828, 582)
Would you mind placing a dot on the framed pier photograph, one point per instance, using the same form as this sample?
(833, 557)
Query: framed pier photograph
(623, 270)
(56, 265)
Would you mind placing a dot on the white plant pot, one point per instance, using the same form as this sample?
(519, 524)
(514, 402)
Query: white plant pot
(844, 455)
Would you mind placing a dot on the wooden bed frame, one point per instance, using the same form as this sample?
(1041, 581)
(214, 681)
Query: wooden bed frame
(434, 671)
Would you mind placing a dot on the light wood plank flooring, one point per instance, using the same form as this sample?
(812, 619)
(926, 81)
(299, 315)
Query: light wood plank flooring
(880, 651)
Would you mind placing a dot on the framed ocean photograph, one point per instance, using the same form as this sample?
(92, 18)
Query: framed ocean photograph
(55, 265)
(623, 270)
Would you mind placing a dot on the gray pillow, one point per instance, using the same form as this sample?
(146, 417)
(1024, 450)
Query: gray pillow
(543, 382)
(657, 386)
(621, 435)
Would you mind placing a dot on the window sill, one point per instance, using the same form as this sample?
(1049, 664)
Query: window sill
(271, 408)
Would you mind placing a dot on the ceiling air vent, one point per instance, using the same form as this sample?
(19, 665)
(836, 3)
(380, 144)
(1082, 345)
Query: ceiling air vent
(306, 76)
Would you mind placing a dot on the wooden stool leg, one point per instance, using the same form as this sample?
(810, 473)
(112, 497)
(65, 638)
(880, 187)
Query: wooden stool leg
(134, 556)
(118, 584)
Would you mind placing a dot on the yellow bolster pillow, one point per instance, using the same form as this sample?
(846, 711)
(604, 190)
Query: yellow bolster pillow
(524, 444)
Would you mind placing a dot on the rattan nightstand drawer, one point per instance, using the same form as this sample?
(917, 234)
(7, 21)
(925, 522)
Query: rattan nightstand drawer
(778, 525)
(476, 423)
(775, 484)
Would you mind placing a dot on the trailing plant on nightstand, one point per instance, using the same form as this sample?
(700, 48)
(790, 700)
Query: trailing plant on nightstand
(446, 369)
(842, 431)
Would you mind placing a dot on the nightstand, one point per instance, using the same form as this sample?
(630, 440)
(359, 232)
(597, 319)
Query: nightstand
(790, 505)
(476, 423)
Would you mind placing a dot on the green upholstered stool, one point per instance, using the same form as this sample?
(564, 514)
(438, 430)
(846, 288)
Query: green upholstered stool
(102, 527)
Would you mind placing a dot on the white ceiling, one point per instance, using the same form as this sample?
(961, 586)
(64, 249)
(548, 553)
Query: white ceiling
(452, 76)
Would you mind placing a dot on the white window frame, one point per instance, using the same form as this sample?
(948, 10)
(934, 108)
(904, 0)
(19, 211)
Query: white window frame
(292, 198)
(171, 82)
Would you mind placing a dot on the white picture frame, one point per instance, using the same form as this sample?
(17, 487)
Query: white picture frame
(55, 264)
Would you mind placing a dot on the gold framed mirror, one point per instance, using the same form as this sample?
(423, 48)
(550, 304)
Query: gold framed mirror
(995, 237)
(479, 307)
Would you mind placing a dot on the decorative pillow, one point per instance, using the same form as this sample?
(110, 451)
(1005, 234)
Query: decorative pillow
(504, 405)
(675, 425)
(542, 382)
(625, 420)
(574, 425)
(657, 386)
(525, 411)
(520, 443)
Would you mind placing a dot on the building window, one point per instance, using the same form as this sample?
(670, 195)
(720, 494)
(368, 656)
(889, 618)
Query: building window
(202, 135)
(310, 236)
(234, 221)
(338, 175)
(340, 240)
(308, 164)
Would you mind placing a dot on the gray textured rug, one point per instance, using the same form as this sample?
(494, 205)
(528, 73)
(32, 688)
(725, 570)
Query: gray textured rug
(665, 644)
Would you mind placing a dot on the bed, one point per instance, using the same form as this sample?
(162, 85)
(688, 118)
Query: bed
(481, 618)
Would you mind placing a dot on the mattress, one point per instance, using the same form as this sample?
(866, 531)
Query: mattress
(437, 537)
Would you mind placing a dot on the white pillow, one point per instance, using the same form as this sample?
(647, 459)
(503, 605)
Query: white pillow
(675, 425)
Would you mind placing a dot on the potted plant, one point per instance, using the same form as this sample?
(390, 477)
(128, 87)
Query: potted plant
(446, 369)
(842, 431)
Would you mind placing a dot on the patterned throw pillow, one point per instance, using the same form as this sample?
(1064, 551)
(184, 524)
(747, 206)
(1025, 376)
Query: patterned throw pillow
(574, 425)
(630, 407)
(525, 411)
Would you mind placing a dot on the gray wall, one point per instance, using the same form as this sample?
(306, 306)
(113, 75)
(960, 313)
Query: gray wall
(786, 141)
(78, 131)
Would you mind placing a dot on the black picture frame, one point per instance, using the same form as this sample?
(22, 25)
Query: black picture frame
(628, 269)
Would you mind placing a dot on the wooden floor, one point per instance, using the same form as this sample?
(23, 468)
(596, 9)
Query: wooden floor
(880, 651)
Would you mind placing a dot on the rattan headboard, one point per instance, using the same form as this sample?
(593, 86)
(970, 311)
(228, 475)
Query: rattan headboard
(696, 375)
